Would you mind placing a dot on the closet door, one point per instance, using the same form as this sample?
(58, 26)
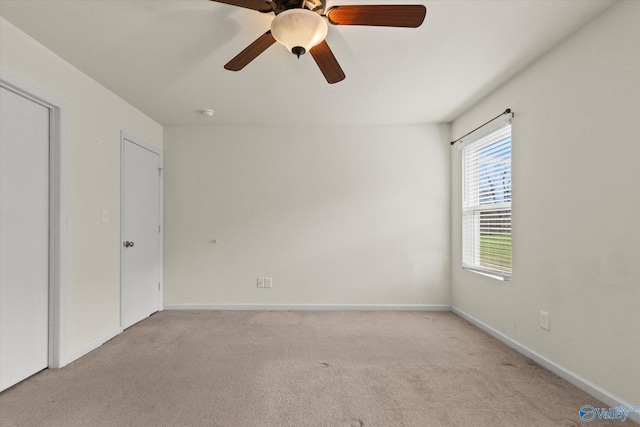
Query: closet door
(24, 237)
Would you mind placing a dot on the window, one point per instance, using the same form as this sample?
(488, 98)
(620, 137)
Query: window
(486, 204)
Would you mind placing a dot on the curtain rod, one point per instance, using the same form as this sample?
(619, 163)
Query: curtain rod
(507, 111)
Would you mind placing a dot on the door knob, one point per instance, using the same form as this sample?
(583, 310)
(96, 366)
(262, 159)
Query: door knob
(128, 244)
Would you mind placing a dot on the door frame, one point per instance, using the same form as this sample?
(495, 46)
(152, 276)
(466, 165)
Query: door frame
(58, 198)
(124, 136)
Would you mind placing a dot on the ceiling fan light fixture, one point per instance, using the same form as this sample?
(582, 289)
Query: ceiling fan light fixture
(299, 30)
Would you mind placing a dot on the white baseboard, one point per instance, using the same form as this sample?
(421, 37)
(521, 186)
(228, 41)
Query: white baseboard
(92, 346)
(583, 384)
(311, 307)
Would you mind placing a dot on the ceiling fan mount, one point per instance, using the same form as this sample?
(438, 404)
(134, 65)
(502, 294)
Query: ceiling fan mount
(279, 6)
(300, 30)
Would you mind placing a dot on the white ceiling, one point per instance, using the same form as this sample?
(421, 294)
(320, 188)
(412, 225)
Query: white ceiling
(166, 57)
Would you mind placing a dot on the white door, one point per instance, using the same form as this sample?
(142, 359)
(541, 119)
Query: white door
(24, 238)
(140, 285)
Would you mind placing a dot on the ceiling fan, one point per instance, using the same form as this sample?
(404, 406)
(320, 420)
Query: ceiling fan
(301, 26)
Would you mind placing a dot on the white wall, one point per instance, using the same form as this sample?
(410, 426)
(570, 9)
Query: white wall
(95, 118)
(576, 204)
(337, 215)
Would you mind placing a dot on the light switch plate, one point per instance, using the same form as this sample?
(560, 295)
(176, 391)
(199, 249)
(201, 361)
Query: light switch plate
(268, 282)
(544, 320)
(261, 282)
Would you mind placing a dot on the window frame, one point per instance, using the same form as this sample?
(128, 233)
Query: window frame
(475, 211)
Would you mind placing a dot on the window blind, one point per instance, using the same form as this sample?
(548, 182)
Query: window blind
(486, 205)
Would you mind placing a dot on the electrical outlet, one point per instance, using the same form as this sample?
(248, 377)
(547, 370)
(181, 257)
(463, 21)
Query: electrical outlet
(261, 282)
(544, 320)
(268, 282)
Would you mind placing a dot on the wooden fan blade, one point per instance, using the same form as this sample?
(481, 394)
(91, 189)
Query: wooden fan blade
(408, 15)
(327, 63)
(259, 5)
(251, 52)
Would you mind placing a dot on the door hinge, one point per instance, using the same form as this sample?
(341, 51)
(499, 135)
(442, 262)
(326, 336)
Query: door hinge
(160, 171)
(159, 229)
(158, 285)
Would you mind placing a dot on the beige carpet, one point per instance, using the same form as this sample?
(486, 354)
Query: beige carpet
(206, 368)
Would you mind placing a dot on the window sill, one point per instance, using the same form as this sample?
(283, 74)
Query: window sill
(493, 275)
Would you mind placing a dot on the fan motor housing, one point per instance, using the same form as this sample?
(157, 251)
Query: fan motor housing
(280, 6)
